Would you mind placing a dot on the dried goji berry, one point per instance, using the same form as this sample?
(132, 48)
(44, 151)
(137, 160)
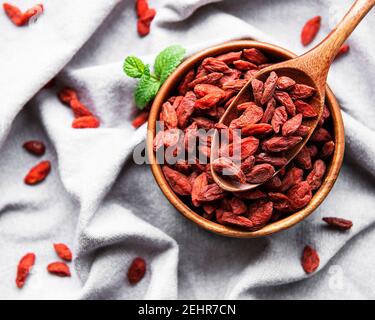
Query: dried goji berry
(269, 112)
(301, 91)
(279, 117)
(141, 7)
(327, 149)
(310, 260)
(303, 159)
(35, 147)
(292, 125)
(260, 173)
(183, 88)
(284, 83)
(60, 269)
(79, 109)
(278, 144)
(140, 119)
(38, 173)
(299, 195)
(66, 95)
(271, 159)
(257, 86)
(14, 14)
(343, 50)
(63, 251)
(86, 122)
(255, 56)
(230, 57)
(178, 181)
(137, 270)
(286, 100)
(227, 167)
(338, 223)
(269, 87)
(215, 65)
(23, 269)
(316, 175)
(310, 30)
(244, 65)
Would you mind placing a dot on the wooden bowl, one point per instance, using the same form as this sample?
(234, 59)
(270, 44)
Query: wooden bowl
(277, 54)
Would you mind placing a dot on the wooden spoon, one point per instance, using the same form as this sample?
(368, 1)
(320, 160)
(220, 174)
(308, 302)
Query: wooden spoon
(311, 69)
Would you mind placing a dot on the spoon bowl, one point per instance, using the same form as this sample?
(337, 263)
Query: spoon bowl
(310, 69)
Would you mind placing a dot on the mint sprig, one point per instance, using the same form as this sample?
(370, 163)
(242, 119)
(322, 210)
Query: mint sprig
(149, 83)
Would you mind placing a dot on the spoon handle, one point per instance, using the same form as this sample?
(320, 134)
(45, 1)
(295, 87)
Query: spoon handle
(324, 53)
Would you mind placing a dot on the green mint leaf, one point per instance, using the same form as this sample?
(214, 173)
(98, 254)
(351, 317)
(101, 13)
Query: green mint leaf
(146, 90)
(134, 67)
(167, 61)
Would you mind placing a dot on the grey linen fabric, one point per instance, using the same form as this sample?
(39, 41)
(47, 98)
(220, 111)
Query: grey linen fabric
(110, 210)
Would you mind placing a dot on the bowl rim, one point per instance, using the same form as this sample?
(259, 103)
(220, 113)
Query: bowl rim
(333, 168)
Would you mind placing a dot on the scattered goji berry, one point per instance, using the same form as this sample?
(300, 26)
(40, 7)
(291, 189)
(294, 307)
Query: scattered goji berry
(24, 267)
(310, 30)
(137, 270)
(86, 122)
(310, 260)
(38, 173)
(60, 269)
(35, 147)
(63, 251)
(338, 223)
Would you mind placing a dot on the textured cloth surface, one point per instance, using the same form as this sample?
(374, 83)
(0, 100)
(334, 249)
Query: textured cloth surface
(110, 210)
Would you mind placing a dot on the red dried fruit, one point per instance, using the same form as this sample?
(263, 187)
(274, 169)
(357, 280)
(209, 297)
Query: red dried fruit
(260, 213)
(279, 118)
(244, 65)
(227, 167)
(141, 7)
(278, 144)
(79, 109)
(169, 115)
(251, 194)
(144, 22)
(320, 135)
(66, 95)
(303, 159)
(238, 206)
(23, 269)
(292, 177)
(209, 211)
(302, 131)
(273, 184)
(184, 86)
(230, 57)
(286, 101)
(63, 251)
(269, 87)
(292, 125)
(313, 149)
(199, 183)
(38, 173)
(211, 78)
(306, 109)
(284, 83)
(209, 101)
(236, 220)
(60, 269)
(35, 147)
(86, 122)
(211, 192)
(236, 85)
(140, 119)
(19, 18)
(343, 50)
(251, 115)
(185, 109)
(215, 65)
(338, 223)
(250, 74)
(136, 270)
(327, 149)
(299, 195)
(179, 183)
(316, 175)
(272, 160)
(280, 201)
(204, 123)
(260, 173)
(301, 91)
(269, 112)
(204, 89)
(255, 56)
(247, 147)
(257, 129)
(14, 14)
(310, 30)
(310, 260)
(247, 164)
(257, 86)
